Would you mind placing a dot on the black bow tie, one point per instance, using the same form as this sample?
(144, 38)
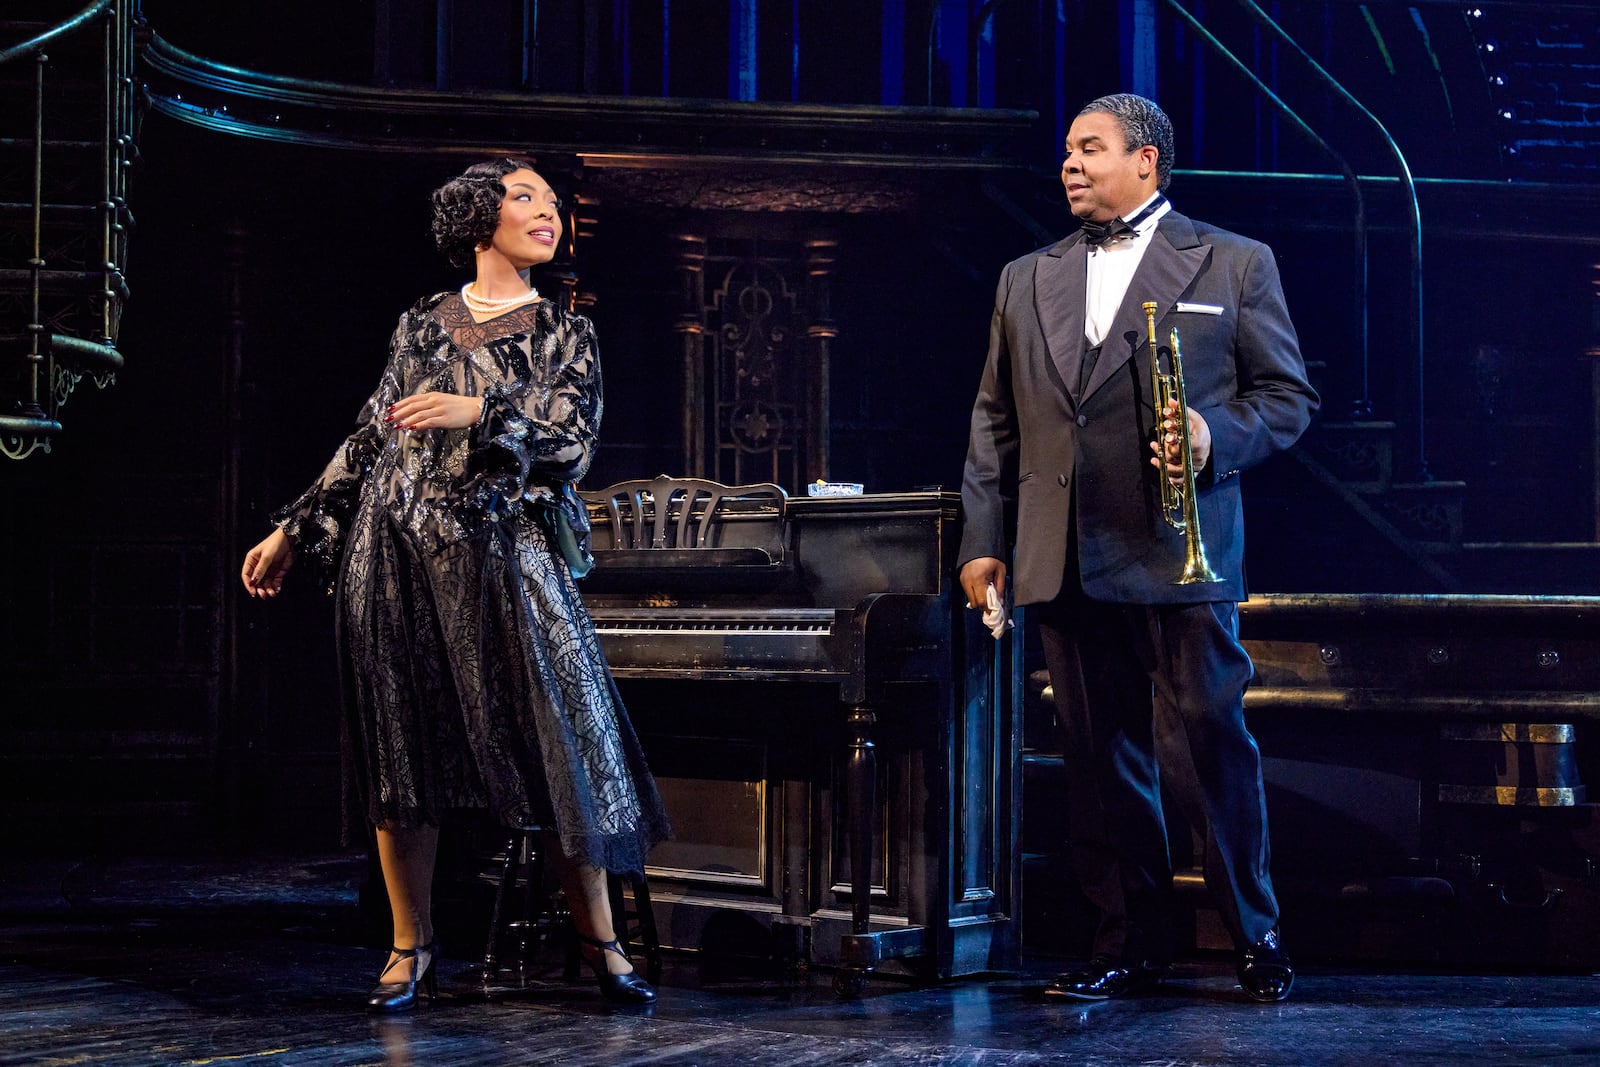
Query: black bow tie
(1100, 233)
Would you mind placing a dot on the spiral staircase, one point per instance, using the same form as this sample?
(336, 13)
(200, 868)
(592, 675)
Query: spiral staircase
(69, 118)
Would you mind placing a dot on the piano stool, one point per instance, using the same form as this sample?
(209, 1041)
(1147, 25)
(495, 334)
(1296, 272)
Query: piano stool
(534, 915)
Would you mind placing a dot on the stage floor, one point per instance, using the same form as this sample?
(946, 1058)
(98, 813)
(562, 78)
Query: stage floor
(260, 962)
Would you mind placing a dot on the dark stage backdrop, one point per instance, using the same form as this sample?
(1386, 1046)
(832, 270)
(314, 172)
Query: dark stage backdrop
(147, 705)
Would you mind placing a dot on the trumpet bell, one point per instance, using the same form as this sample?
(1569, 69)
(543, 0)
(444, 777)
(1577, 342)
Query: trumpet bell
(1197, 571)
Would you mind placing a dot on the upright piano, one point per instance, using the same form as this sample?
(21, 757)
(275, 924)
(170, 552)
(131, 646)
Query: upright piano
(836, 738)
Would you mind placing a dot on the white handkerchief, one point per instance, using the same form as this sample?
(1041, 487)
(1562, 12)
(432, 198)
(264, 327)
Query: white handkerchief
(1199, 309)
(994, 615)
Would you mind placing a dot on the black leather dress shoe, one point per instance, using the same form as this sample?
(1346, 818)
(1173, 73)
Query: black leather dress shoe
(1104, 977)
(1265, 971)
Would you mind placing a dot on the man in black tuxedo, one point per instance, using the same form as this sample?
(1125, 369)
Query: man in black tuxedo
(1064, 466)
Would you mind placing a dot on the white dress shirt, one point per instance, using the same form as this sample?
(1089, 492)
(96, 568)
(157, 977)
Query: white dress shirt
(1111, 268)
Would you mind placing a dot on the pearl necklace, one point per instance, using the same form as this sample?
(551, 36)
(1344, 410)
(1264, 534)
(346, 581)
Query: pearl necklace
(482, 304)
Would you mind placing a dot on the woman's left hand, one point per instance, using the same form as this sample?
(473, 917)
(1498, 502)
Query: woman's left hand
(435, 411)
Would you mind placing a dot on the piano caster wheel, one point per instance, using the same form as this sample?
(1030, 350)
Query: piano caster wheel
(847, 985)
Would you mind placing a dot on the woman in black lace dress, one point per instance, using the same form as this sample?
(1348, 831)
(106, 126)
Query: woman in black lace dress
(473, 674)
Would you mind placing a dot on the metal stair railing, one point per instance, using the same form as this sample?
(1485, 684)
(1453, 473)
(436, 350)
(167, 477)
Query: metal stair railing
(1419, 461)
(1361, 404)
(54, 33)
(55, 357)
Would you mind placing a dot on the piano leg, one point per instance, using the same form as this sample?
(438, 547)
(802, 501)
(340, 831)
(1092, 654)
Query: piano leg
(860, 951)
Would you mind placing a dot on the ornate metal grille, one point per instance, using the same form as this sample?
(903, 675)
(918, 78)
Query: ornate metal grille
(758, 364)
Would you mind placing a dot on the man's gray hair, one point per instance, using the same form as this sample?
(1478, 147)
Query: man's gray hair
(1143, 123)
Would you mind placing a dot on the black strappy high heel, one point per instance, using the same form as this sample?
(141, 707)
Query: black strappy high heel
(402, 996)
(621, 988)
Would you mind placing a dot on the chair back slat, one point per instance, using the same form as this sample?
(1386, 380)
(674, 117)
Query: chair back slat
(666, 512)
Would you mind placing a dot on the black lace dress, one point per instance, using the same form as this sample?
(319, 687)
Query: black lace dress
(473, 677)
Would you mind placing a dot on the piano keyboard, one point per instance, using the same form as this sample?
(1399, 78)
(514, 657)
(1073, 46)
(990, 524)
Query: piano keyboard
(691, 622)
(706, 642)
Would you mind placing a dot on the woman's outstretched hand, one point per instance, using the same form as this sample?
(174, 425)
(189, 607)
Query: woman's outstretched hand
(434, 411)
(266, 564)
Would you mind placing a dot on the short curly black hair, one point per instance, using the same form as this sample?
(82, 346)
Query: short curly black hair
(1143, 123)
(466, 209)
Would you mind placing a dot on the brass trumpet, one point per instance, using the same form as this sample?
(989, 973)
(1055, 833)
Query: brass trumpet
(1178, 505)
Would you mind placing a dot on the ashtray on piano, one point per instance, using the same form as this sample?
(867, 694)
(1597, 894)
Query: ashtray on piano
(822, 488)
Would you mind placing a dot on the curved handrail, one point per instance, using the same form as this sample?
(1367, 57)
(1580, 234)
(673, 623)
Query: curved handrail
(1266, 20)
(93, 356)
(1364, 400)
(596, 128)
(72, 25)
(166, 58)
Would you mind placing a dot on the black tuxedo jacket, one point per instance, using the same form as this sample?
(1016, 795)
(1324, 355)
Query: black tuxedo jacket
(1039, 448)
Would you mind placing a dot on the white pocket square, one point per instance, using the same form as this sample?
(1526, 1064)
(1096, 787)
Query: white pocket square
(1199, 309)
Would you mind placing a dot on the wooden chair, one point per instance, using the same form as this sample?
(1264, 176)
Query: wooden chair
(670, 515)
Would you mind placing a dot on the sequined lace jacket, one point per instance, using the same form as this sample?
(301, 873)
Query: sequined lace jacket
(538, 372)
